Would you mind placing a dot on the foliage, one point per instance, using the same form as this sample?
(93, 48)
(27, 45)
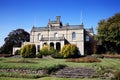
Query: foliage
(84, 60)
(45, 50)
(69, 50)
(57, 56)
(28, 51)
(17, 52)
(108, 33)
(38, 55)
(14, 39)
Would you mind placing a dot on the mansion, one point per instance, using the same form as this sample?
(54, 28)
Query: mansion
(56, 35)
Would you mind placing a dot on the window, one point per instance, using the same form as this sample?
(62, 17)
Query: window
(87, 38)
(73, 35)
(56, 35)
(63, 35)
(39, 36)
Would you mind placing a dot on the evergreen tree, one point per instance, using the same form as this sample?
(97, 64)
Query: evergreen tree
(109, 33)
(14, 39)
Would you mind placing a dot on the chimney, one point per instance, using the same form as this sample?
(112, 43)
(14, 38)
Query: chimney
(58, 19)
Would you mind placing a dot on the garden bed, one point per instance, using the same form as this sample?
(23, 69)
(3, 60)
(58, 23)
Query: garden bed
(84, 60)
(111, 55)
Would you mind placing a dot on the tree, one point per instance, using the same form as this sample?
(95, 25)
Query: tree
(109, 33)
(69, 50)
(14, 39)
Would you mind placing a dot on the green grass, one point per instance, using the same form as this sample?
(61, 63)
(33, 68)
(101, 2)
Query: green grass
(49, 63)
(20, 75)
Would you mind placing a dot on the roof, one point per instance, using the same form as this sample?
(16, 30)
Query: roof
(68, 27)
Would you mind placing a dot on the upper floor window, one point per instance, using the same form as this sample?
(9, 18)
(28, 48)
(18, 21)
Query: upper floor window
(56, 35)
(87, 38)
(39, 36)
(73, 35)
(63, 35)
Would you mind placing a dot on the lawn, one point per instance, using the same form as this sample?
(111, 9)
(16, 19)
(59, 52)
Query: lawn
(35, 64)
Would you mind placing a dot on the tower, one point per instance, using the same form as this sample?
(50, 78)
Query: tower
(58, 19)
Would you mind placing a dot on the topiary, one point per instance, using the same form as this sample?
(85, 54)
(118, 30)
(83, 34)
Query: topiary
(69, 50)
(45, 50)
(28, 51)
(57, 56)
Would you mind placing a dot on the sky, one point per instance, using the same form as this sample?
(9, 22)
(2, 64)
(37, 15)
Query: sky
(24, 14)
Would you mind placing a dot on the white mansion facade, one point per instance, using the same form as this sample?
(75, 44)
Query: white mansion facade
(57, 35)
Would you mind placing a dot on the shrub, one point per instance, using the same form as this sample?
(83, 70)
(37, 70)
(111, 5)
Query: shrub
(17, 52)
(84, 60)
(52, 51)
(46, 51)
(69, 50)
(57, 55)
(28, 51)
(39, 55)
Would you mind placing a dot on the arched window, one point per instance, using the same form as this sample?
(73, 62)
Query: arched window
(58, 46)
(52, 44)
(73, 35)
(55, 35)
(39, 36)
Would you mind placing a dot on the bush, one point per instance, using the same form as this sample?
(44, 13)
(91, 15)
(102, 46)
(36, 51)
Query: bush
(57, 55)
(52, 51)
(28, 51)
(17, 52)
(39, 55)
(69, 50)
(46, 51)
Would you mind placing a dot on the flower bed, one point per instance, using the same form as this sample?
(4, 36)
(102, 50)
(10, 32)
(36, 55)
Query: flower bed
(111, 56)
(84, 60)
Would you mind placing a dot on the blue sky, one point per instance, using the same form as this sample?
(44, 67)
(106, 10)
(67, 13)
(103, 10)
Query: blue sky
(24, 14)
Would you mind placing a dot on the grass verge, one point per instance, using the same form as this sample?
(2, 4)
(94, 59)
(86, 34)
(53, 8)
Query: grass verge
(19, 75)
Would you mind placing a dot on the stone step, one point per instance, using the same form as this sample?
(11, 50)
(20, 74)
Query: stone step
(76, 72)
